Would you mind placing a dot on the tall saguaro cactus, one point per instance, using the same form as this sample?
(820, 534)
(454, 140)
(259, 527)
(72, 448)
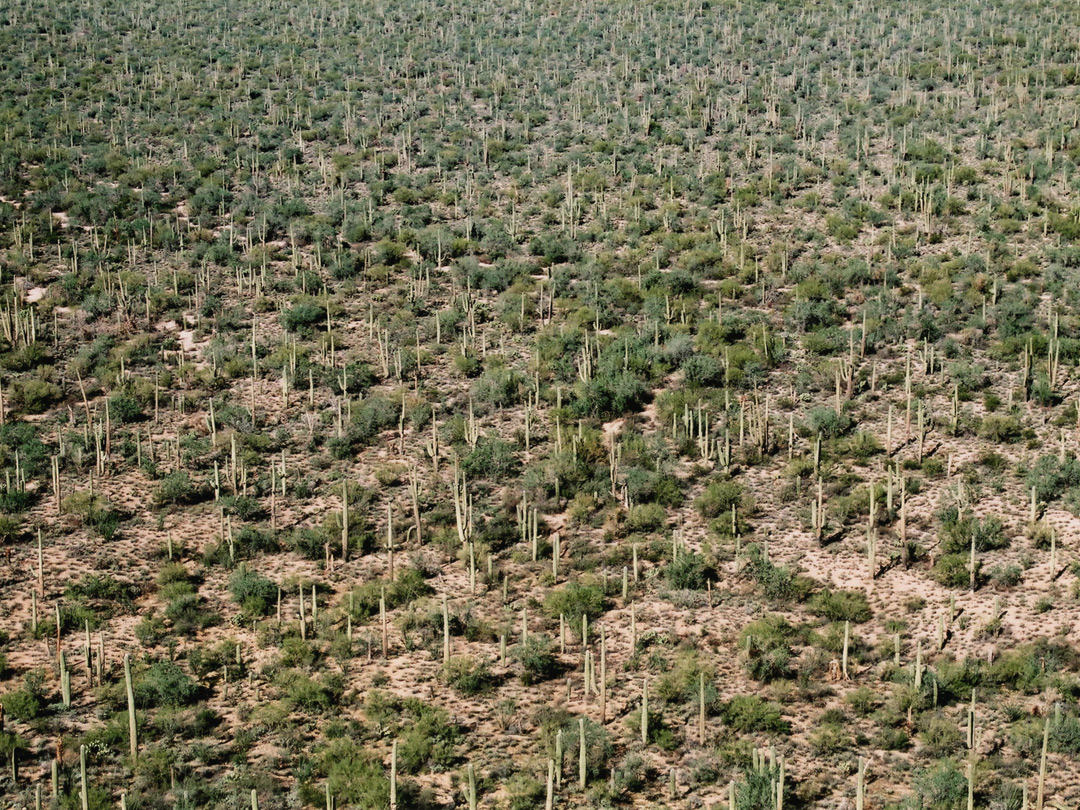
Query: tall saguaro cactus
(132, 728)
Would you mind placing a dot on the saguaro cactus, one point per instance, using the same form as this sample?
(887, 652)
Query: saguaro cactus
(645, 711)
(132, 728)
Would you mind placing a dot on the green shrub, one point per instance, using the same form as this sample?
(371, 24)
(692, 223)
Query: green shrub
(681, 681)
(256, 595)
(427, 739)
(409, 586)
(303, 316)
(103, 588)
(645, 517)
(468, 676)
(611, 395)
(175, 489)
(598, 747)
(524, 792)
(28, 703)
(573, 601)
(750, 714)
(863, 701)
(718, 498)
(491, 460)
(778, 583)
(767, 653)
(688, 572)
(429, 742)
(357, 777)
(829, 739)
(536, 654)
(840, 606)
(941, 736)
(33, 396)
(633, 773)
(14, 501)
(1051, 477)
(1006, 576)
(124, 409)
(1000, 428)
(943, 787)
(827, 422)
(756, 791)
(163, 683)
(1030, 667)
(957, 532)
(954, 570)
(307, 694)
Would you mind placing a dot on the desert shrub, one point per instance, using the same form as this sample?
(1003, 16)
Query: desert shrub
(309, 694)
(1051, 477)
(103, 588)
(356, 776)
(492, 460)
(681, 681)
(524, 792)
(611, 395)
(1000, 428)
(27, 703)
(427, 739)
(1029, 667)
(573, 601)
(96, 512)
(863, 701)
(954, 570)
(11, 529)
(1006, 576)
(404, 590)
(827, 422)
(891, 739)
(633, 773)
(840, 606)
(756, 790)
(750, 714)
(163, 683)
(184, 607)
(659, 733)
(175, 489)
(536, 654)
(33, 396)
(719, 496)
(244, 508)
(645, 517)
(468, 676)
(207, 660)
(863, 445)
(942, 787)
(778, 583)
(303, 316)
(124, 409)
(689, 571)
(256, 595)
(957, 532)
(429, 742)
(941, 736)
(1065, 734)
(830, 738)
(151, 630)
(598, 747)
(23, 438)
(13, 501)
(248, 542)
(767, 652)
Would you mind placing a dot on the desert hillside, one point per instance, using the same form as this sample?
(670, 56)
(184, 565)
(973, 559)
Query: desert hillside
(540, 404)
